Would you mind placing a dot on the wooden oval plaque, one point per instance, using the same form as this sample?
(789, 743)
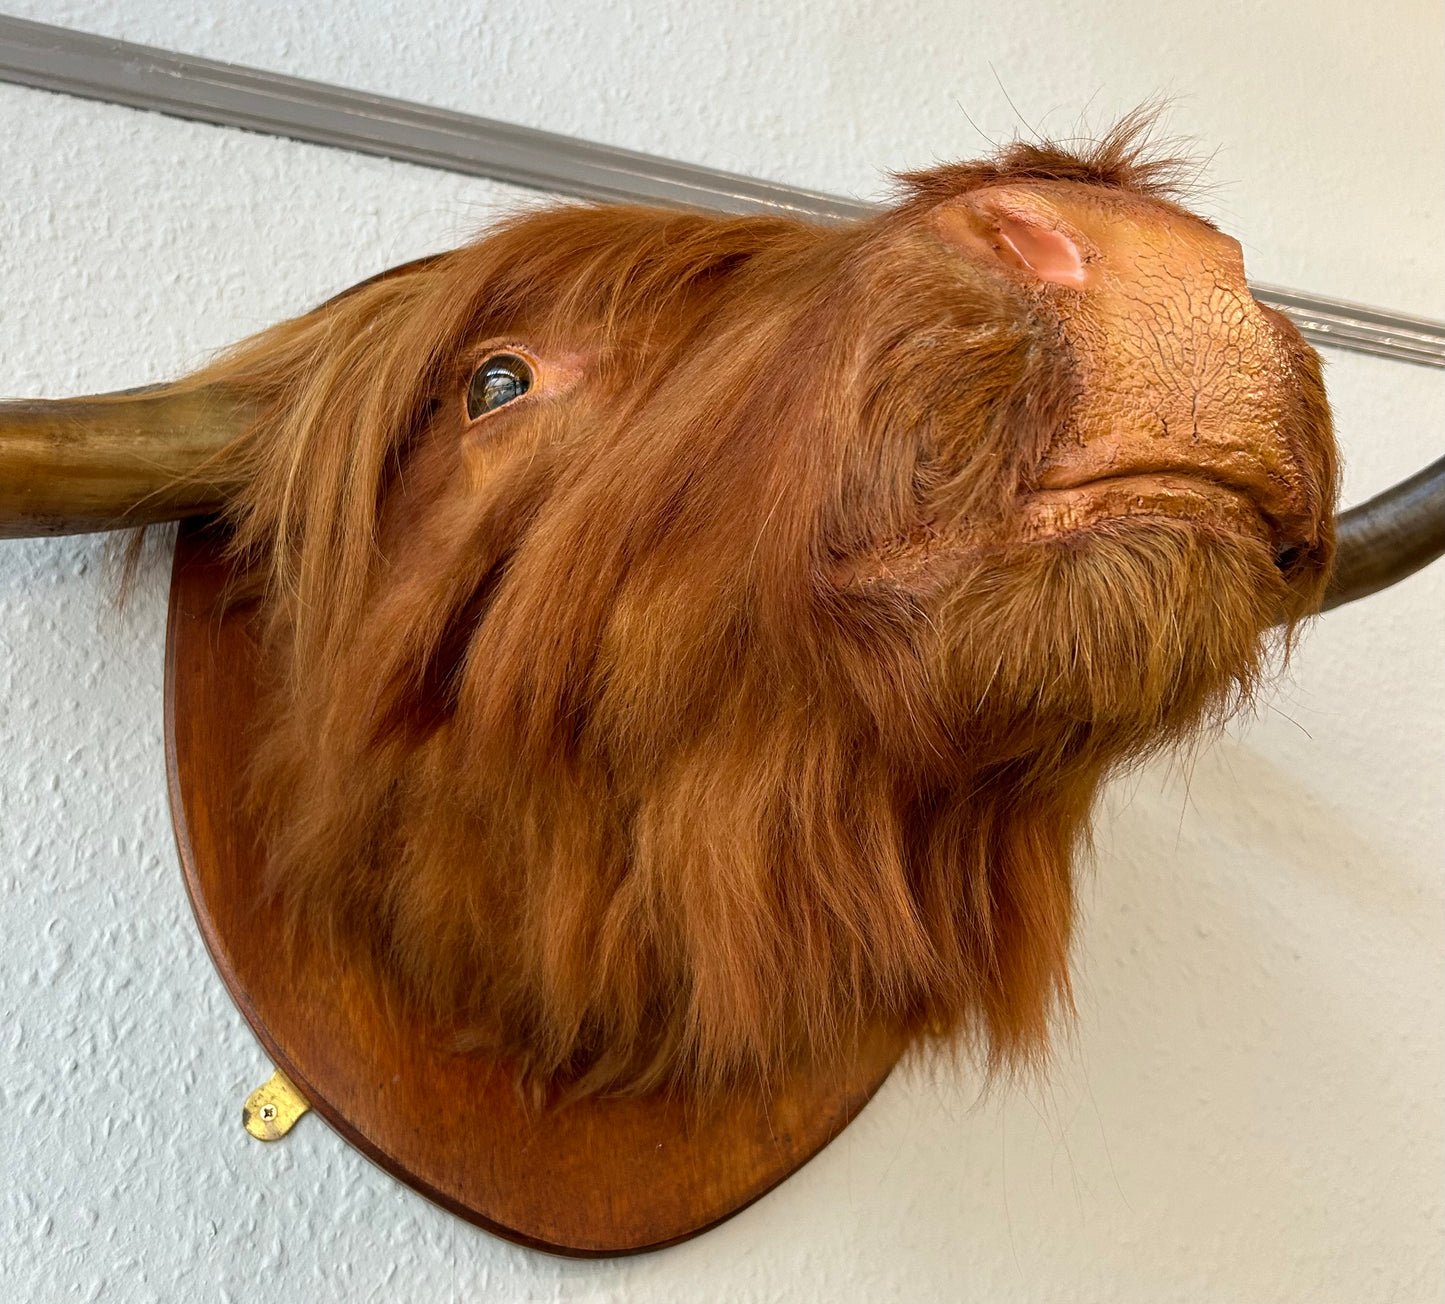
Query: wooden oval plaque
(598, 1177)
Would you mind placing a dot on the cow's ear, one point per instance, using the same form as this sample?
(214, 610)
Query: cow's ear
(1026, 244)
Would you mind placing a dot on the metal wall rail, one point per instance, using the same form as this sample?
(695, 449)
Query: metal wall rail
(203, 90)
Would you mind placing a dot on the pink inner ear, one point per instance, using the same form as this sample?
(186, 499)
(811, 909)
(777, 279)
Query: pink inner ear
(1049, 255)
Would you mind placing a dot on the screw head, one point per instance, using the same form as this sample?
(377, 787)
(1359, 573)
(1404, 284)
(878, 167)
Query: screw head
(268, 1113)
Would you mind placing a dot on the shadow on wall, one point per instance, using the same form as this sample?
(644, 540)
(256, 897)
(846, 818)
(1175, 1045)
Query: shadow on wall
(1231, 796)
(1232, 913)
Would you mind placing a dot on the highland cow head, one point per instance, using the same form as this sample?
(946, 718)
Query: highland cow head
(701, 640)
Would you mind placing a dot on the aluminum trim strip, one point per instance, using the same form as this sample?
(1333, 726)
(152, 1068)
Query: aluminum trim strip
(118, 72)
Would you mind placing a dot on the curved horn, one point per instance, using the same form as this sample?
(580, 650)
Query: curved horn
(135, 457)
(138, 457)
(143, 456)
(1388, 537)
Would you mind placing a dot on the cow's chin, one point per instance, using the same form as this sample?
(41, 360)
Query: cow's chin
(1127, 630)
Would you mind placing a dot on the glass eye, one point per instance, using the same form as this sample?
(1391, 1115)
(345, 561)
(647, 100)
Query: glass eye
(500, 379)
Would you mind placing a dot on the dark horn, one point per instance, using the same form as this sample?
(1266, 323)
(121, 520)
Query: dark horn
(1388, 537)
(138, 457)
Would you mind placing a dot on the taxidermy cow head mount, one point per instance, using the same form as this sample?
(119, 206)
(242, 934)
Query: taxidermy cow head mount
(699, 641)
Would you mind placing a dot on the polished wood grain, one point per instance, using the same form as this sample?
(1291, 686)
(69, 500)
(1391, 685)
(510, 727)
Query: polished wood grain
(596, 1177)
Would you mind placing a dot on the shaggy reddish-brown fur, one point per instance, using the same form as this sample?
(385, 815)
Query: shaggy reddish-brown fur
(608, 725)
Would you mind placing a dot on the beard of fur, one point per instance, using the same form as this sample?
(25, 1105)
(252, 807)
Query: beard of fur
(712, 904)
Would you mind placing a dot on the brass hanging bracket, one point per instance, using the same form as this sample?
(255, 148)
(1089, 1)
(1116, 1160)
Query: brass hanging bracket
(272, 1109)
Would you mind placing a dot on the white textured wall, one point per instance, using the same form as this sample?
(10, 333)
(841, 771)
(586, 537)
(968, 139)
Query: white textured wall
(1250, 1108)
